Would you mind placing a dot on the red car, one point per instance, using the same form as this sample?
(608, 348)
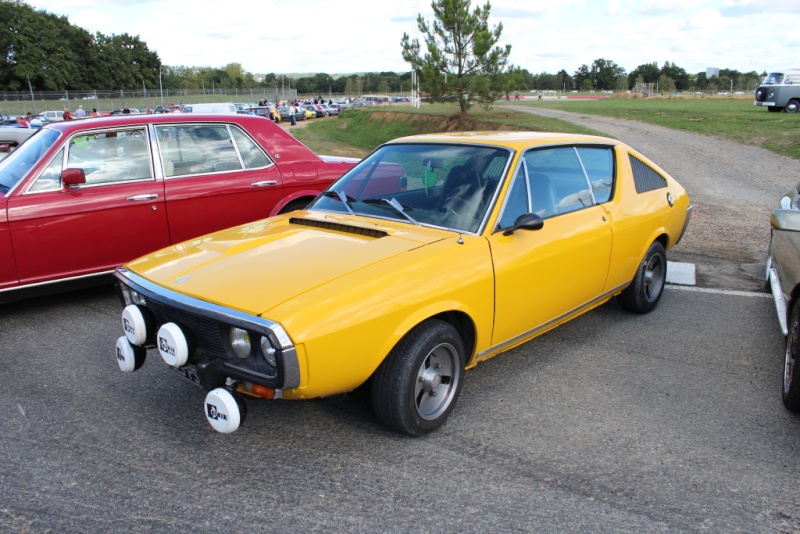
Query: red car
(79, 198)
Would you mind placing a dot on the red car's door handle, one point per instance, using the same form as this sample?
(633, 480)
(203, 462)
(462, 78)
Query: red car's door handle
(143, 197)
(265, 183)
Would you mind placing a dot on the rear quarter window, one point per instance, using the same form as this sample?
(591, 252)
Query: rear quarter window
(644, 177)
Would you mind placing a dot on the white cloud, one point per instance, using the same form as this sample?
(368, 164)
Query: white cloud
(364, 35)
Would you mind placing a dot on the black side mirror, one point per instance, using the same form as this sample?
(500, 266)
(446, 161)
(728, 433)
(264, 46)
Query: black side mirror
(526, 221)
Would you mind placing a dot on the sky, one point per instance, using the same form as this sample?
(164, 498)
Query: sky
(350, 36)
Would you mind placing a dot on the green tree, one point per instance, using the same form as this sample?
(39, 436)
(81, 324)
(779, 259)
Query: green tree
(41, 47)
(583, 78)
(233, 76)
(123, 62)
(677, 75)
(605, 74)
(460, 60)
(565, 81)
(666, 84)
(647, 73)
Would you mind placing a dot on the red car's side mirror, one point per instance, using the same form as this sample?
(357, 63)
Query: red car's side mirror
(72, 177)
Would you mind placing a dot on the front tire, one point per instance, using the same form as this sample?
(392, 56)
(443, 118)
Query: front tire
(645, 291)
(791, 369)
(417, 385)
(792, 106)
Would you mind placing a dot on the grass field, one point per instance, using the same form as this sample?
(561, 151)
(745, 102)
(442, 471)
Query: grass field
(735, 119)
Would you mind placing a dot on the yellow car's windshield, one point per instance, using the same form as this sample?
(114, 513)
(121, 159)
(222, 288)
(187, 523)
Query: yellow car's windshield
(443, 185)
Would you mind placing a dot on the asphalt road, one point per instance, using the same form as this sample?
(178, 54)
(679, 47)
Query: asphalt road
(667, 422)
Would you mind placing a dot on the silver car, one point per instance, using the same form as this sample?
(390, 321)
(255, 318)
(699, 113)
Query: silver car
(783, 279)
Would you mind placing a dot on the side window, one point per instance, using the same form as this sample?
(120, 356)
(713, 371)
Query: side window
(50, 179)
(517, 202)
(644, 177)
(196, 149)
(557, 180)
(111, 157)
(252, 155)
(598, 163)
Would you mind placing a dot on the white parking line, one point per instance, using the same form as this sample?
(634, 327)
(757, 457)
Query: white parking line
(721, 291)
(682, 276)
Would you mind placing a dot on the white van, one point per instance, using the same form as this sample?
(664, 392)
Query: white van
(780, 91)
(218, 107)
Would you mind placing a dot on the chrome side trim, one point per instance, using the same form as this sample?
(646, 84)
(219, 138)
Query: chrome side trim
(276, 333)
(530, 334)
(780, 302)
(58, 281)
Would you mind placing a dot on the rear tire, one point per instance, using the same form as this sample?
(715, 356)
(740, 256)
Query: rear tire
(417, 385)
(644, 293)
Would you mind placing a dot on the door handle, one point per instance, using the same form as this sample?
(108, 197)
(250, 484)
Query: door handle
(265, 183)
(143, 197)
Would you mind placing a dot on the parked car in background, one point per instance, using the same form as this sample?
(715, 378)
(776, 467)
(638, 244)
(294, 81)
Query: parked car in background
(266, 111)
(13, 135)
(131, 111)
(286, 114)
(213, 107)
(783, 280)
(51, 116)
(780, 91)
(432, 255)
(80, 198)
(330, 109)
(316, 110)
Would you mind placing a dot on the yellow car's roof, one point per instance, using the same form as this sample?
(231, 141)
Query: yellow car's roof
(511, 139)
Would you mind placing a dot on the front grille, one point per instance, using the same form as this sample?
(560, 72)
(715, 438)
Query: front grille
(206, 332)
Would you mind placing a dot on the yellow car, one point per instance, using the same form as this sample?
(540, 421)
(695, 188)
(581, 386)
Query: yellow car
(431, 255)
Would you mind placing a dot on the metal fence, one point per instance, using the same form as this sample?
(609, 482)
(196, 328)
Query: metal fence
(108, 100)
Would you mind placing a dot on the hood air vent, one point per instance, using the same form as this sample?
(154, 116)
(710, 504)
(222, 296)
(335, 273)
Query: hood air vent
(337, 227)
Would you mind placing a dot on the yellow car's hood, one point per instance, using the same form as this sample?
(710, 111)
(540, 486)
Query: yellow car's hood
(257, 266)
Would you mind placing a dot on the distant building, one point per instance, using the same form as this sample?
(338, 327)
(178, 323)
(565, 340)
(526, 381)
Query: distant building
(711, 72)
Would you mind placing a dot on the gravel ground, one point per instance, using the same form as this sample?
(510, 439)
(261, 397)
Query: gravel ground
(733, 188)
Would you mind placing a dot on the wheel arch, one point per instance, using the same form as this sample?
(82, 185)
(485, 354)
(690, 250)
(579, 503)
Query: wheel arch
(465, 327)
(661, 236)
(794, 297)
(293, 202)
(458, 319)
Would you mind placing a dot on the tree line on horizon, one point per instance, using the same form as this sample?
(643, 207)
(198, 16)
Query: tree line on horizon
(43, 51)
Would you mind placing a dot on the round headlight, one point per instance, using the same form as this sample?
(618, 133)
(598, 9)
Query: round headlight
(268, 351)
(240, 342)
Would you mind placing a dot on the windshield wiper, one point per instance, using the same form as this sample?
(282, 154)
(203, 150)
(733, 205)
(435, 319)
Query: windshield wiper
(330, 193)
(394, 204)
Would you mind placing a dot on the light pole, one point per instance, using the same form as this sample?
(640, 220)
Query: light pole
(160, 87)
